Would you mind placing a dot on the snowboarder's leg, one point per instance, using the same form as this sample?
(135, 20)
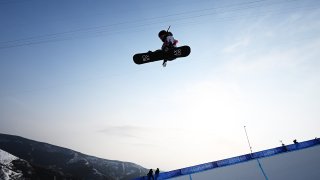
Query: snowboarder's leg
(164, 64)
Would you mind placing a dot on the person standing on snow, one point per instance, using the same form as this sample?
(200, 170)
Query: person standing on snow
(150, 175)
(156, 174)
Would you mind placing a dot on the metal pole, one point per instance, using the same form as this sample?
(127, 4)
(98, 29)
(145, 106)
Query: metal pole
(260, 166)
(248, 139)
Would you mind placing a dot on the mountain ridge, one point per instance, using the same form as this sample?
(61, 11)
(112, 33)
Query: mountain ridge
(68, 162)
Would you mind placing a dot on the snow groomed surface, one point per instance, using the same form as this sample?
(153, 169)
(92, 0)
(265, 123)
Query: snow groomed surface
(185, 173)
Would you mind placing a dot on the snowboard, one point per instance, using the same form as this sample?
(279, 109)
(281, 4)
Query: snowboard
(172, 54)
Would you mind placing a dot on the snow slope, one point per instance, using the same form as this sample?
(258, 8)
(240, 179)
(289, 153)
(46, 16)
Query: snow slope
(6, 158)
(6, 166)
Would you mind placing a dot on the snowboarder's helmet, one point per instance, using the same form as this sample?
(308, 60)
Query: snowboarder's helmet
(161, 33)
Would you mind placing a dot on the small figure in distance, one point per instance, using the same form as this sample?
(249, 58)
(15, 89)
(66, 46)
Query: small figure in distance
(150, 175)
(295, 141)
(283, 146)
(156, 174)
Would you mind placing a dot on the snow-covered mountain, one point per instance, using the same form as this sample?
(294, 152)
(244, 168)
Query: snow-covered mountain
(61, 162)
(7, 169)
(14, 168)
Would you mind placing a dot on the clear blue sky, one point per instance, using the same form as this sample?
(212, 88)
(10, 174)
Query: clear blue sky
(67, 77)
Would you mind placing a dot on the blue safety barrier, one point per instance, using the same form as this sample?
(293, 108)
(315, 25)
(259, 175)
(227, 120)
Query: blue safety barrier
(235, 160)
(170, 174)
(198, 168)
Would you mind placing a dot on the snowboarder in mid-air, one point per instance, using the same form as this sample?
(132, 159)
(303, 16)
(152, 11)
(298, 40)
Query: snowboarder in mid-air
(168, 52)
(168, 43)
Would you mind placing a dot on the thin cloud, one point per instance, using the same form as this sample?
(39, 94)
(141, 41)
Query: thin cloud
(237, 45)
(125, 131)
